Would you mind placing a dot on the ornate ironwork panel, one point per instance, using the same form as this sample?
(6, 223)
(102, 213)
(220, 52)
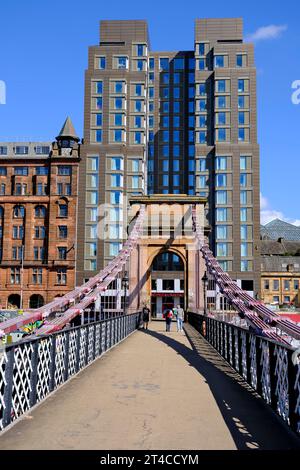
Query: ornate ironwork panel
(253, 361)
(3, 383)
(282, 385)
(244, 354)
(265, 374)
(60, 358)
(21, 380)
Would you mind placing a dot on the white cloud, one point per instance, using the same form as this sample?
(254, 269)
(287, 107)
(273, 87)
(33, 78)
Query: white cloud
(266, 32)
(267, 213)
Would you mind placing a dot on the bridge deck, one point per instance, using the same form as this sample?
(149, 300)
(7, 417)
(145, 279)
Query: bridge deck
(154, 391)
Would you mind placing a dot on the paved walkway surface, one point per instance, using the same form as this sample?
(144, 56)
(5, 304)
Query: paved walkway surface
(156, 390)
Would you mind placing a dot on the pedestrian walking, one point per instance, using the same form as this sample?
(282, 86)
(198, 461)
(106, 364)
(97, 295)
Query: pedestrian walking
(146, 317)
(180, 318)
(168, 318)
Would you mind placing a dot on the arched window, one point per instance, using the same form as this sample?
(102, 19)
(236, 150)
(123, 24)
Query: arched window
(36, 301)
(19, 212)
(167, 261)
(14, 301)
(40, 211)
(63, 210)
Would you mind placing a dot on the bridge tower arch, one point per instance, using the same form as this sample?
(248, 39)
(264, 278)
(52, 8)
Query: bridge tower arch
(167, 229)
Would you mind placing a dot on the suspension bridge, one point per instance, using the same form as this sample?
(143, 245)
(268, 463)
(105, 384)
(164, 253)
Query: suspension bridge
(253, 361)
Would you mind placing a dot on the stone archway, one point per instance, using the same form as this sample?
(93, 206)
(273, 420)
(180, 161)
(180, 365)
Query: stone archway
(177, 240)
(167, 277)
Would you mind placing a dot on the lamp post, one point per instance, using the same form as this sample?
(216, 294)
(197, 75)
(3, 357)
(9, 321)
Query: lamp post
(205, 284)
(125, 286)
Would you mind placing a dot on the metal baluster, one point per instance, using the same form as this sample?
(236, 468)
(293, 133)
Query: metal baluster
(293, 393)
(94, 342)
(273, 378)
(78, 349)
(52, 363)
(66, 358)
(9, 371)
(34, 373)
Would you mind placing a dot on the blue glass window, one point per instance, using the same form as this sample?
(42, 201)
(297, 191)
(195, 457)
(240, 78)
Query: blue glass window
(179, 64)
(222, 118)
(241, 85)
(138, 89)
(176, 107)
(137, 121)
(221, 163)
(165, 105)
(202, 105)
(99, 88)
(99, 135)
(239, 60)
(165, 121)
(176, 150)
(243, 179)
(137, 137)
(241, 118)
(221, 134)
(176, 121)
(221, 86)
(201, 48)
(202, 137)
(176, 92)
(165, 92)
(151, 63)
(165, 136)
(102, 63)
(241, 102)
(164, 63)
(221, 102)
(191, 63)
(138, 105)
(176, 136)
(118, 135)
(219, 61)
(221, 232)
(140, 50)
(221, 179)
(118, 103)
(118, 119)
(221, 197)
(201, 64)
(122, 62)
(202, 120)
(202, 89)
(98, 119)
(165, 150)
(241, 134)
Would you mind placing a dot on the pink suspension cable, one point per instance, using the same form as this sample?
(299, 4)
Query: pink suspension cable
(87, 291)
(255, 312)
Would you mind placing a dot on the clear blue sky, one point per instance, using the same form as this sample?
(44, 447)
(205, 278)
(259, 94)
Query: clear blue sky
(44, 54)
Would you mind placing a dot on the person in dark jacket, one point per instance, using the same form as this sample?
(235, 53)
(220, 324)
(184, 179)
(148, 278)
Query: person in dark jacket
(146, 317)
(168, 317)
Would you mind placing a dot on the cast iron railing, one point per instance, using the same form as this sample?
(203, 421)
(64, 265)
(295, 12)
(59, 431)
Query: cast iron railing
(266, 365)
(30, 370)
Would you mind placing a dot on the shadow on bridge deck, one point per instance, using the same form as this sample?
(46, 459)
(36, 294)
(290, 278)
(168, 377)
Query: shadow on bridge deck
(156, 390)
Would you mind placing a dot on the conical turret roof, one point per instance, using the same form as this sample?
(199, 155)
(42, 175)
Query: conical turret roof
(68, 131)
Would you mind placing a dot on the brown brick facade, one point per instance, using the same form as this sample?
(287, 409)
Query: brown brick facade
(42, 219)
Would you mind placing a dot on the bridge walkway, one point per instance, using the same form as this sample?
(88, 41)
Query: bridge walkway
(156, 390)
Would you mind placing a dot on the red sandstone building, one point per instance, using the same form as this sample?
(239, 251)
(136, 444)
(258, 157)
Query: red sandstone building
(38, 213)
